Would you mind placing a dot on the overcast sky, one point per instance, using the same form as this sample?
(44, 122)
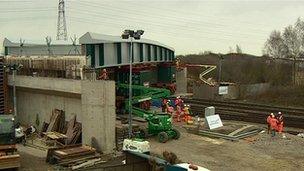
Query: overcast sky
(187, 26)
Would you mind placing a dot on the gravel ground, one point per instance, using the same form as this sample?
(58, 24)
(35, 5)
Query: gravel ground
(261, 152)
(265, 153)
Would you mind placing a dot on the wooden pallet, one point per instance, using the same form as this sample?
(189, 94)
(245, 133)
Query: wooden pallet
(10, 161)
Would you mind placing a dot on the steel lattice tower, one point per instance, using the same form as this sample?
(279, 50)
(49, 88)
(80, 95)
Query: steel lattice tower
(61, 23)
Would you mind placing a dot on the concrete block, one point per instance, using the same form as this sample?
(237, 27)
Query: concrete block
(209, 111)
(98, 114)
(181, 81)
(46, 83)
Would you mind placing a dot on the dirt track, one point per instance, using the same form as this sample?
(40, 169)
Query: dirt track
(265, 153)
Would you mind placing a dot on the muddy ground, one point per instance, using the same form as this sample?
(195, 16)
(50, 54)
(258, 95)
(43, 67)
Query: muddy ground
(261, 152)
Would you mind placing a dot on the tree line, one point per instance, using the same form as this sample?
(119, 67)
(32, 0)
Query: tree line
(286, 44)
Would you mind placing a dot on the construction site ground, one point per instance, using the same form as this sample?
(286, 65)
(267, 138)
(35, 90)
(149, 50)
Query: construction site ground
(261, 152)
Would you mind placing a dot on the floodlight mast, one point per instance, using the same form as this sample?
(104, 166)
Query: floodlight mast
(126, 35)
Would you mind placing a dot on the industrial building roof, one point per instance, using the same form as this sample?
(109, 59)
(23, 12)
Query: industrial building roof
(9, 43)
(95, 38)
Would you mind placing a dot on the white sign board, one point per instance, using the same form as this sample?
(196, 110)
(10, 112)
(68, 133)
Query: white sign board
(223, 90)
(214, 121)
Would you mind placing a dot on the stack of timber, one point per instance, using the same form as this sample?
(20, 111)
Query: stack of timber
(73, 156)
(10, 161)
(121, 134)
(73, 131)
(65, 133)
(57, 121)
(68, 66)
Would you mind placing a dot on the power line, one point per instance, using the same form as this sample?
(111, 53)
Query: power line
(165, 32)
(160, 14)
(131, 20)
(199, 27)
(27, 10)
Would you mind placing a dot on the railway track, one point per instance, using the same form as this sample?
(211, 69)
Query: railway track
(249, 112)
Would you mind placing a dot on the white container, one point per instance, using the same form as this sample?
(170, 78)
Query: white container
(136, 146)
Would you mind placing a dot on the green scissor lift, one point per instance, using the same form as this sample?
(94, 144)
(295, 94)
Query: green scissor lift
(159, 124)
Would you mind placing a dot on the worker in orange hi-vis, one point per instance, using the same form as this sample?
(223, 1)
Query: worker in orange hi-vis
(271, 115)
(273, 125)
(178, 113)
(280, 123)
(186, 114)
(169, 109)
(104, 75)
(164, 105)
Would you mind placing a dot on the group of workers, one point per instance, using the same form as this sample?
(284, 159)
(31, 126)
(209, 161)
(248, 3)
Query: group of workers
(177, 108)
(275, 123)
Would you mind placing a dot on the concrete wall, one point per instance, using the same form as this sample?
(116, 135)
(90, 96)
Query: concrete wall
(32, 102)
(253, 89)
(181, 81)
(205, 91)
(233, 92)
(93, 102)
(47, 83)
(98, 108)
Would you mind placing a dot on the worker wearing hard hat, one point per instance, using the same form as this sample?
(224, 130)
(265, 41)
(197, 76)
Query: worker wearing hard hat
(104, 75)
(280, 122)
(272, 124)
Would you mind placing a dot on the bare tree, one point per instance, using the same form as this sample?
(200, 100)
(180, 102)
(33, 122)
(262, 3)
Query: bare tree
(238, 49)
(289, 44)
(230, 50)
(299, 28)
(292, 41)
(275, 45)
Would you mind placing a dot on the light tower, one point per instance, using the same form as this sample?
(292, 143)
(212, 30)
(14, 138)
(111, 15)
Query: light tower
(61, 24)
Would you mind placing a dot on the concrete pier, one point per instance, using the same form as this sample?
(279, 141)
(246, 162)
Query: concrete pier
(93, 103)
